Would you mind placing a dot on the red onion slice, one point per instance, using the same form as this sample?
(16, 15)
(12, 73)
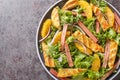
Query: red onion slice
(54, 37)
(79, 29)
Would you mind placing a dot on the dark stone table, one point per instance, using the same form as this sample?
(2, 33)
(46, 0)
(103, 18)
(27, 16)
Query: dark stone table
(18, 24)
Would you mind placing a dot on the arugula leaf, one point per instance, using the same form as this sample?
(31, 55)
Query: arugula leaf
(100, 3)
(61, 62)
(58, 56)
(111, 33)
(90, 23)
(103, 71)
(83, 61)
(93, 75)
(118, 39)
(70, 39)
(73, 50)
(65, 17)
(103, 36)
(78, 77)
(54, 50)
(79, 58)
(78, 9)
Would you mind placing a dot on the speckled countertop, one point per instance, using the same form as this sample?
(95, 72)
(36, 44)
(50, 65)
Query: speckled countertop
(18, 24)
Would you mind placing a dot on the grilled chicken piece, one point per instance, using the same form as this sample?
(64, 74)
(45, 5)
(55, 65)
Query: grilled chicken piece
(100, 17)
(112, 53)
(70, 4)
(68, 72)
(55, 18)
(88, 42)
(48, 60)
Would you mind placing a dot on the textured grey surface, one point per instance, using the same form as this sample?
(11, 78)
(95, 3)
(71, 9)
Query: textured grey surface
(18, 24)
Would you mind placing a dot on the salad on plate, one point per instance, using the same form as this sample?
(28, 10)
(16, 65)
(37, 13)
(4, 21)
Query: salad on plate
(81, 40)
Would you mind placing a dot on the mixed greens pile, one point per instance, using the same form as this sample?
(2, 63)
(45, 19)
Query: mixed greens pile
(71, 58)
